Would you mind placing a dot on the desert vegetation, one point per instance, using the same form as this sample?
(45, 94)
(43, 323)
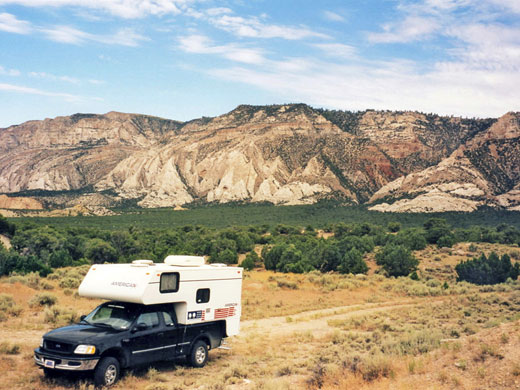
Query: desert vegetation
(345, 305)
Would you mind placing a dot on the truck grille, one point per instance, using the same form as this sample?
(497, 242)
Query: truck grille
(57, 346)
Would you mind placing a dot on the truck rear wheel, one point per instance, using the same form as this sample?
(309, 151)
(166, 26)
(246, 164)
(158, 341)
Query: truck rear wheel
(199, 354)
(107, 372)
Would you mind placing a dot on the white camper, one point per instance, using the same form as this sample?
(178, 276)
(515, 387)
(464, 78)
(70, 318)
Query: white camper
(200, 292)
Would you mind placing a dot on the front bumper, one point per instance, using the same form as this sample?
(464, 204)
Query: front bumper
(44, 359)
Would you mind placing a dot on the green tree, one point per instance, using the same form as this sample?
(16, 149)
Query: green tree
(353, 263)
(487, 270)
(396, 260)
(435, 229)
(99, 252)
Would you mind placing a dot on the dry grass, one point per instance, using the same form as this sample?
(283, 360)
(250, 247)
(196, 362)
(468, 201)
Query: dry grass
(307, 332)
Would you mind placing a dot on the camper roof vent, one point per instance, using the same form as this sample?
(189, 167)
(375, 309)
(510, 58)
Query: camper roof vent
(219, 265)
(142, 263)
(184, 261)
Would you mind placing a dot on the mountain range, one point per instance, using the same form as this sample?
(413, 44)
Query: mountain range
(284, 154)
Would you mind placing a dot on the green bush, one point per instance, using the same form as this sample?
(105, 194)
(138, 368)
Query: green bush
(250, 260)
(487, 270)
(396, 260)
(353, 263)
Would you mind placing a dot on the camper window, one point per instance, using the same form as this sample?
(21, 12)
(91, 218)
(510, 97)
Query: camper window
(203, 295)
(169, 282)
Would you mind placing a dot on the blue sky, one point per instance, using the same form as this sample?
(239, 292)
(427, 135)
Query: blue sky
(183, 59)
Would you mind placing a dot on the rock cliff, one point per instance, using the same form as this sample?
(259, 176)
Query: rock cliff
(483, 171)
(284, 154)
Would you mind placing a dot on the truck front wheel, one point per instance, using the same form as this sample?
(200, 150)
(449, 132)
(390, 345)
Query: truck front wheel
(107, 372)
(199, 354)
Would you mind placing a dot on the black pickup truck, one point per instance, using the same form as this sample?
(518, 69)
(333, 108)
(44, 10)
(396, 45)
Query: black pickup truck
(118, 335)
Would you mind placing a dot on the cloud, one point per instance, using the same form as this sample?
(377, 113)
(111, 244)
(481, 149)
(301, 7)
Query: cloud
(67, 34)
(332, 16)
(128, 9)
(35, 91)
(412, 28)
(201, 44)
(336, 50)
(9, 72)
(253, 27)
(392, 85)
(48, 76)
(10, 23)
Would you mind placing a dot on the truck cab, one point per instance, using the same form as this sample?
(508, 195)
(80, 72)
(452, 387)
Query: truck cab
(188, 315)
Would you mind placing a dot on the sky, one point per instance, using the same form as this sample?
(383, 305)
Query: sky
(184, 59)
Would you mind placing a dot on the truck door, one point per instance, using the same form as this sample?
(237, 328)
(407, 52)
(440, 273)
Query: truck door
(146, 339)
(172, 333)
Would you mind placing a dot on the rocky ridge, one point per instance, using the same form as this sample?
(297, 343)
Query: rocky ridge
(483, 171)
(284, 154)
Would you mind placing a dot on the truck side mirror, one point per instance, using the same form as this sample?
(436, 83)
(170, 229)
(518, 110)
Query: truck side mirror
(82, 317)
(139, 327)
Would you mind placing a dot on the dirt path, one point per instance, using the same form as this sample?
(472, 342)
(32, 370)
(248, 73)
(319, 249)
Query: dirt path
(316, 321)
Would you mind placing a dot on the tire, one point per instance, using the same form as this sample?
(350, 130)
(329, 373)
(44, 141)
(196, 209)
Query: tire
(199, 354)
(107, 372)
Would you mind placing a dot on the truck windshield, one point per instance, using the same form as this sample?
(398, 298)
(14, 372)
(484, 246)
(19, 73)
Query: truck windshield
(116, 315)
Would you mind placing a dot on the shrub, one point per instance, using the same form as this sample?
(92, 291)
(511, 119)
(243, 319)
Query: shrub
(43, 300)
(487, 270)
(69, 282)
(396, 260)
(8, 306)
(249, 262)
(9, 349)
(60, 316)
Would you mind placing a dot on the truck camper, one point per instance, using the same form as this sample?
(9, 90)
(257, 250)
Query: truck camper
(155, 311)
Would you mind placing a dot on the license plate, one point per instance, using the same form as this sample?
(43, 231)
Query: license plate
(49, 363)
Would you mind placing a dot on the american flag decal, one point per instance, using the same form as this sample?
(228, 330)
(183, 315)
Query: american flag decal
(196, 315)
(225, 312)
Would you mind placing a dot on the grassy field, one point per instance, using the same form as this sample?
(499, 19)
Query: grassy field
(308, 331)
(318, 215)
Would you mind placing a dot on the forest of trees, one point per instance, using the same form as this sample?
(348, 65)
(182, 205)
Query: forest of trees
(285, 248)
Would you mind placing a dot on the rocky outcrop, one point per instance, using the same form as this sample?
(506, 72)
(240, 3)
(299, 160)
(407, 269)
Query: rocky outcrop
(284, 154)
(483, 171)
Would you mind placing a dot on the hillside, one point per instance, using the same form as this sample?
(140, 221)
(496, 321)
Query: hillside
(283, 154)
(483, 171)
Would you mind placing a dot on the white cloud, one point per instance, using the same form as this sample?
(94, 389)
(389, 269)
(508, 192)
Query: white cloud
(201, 44)
(67, 34)
(129, 9)
(412, 28)
(395, 85)
(9, 72)
(49, 76)
(510, 5)
(10, 23)
(253, 27)
(35, 91)
(332, 16)
(336, 49)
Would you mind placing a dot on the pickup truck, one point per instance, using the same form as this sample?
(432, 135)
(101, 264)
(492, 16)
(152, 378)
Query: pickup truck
(119, 335)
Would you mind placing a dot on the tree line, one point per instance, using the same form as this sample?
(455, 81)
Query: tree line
(285, 248)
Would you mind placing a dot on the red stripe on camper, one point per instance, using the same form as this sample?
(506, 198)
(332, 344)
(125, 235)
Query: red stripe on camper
(225, 312)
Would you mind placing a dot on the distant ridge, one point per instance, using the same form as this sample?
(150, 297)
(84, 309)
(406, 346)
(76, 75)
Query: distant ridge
(284, 154)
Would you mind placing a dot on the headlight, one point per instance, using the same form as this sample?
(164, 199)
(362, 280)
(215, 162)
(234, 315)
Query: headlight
(41, 342)
(85, 349)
